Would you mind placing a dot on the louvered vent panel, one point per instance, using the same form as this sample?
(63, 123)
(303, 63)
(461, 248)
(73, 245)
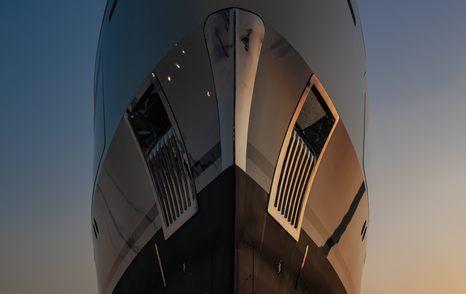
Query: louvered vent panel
(173, 181)
(293, 179)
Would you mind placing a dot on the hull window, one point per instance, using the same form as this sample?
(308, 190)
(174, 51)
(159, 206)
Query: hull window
(165, 154)
(310, 129)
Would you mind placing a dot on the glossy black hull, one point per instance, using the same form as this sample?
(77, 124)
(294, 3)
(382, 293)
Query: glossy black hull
(232, 245)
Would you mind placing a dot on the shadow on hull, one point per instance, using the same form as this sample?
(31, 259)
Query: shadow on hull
(232, 245)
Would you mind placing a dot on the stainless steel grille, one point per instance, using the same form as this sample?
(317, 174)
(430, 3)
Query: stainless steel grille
(294, 179)
(173, 181)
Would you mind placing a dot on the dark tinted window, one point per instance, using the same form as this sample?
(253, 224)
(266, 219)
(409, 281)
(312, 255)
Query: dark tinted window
(315, 121)
(149, 119)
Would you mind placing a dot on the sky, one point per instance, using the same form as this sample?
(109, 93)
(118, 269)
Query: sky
(415, 162)
(47, 52)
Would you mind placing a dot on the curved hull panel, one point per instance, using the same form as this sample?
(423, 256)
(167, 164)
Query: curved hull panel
(232, 168)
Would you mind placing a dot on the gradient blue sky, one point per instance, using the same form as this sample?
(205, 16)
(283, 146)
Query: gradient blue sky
(416, 163)
(46, 59)
(416, 142)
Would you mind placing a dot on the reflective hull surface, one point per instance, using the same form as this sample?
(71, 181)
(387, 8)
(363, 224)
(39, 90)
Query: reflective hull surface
(243, 251)
(230, 163)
